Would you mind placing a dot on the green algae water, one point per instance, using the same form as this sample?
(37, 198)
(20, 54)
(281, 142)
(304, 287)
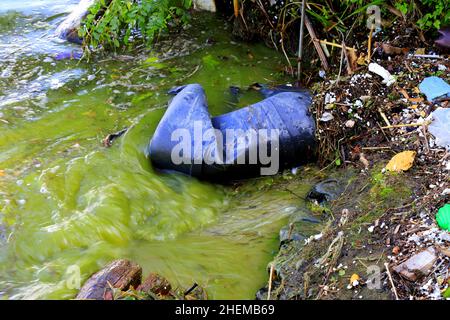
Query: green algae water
(67, 201)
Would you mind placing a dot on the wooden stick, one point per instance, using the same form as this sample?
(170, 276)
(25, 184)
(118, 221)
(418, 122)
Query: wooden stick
(375, 148)
(333, 44)
(349, 67)
(386, 120)
(319, 50)
(386, 265)
(369, 44)
(407, 125)
(300, 41)
(270, 282)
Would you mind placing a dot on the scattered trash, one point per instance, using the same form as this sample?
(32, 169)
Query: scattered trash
(434, 87)
(354, 280)
(443, 217)
(440, 127)
(188, 111)
(402, 161)
(418, 265)
(326, 116)
(396, 250)
(388, 79)
(109, 139)
(350, 123)
(322, 74)
(69, 55)
(444, 39)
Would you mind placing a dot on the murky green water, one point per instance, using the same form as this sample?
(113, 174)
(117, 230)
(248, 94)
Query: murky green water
(66, 200)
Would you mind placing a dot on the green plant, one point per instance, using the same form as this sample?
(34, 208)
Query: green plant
(114, 23)
(340, 14)
(428, 13)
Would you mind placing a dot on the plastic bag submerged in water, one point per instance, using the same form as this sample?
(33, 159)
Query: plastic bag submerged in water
(284, 113)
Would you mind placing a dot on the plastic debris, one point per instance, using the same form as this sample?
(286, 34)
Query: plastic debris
(402, 161)
(388, 78)
(418, 265)
(440, 127)
(444, 39)
(354, 280)
(326, 116)
(443, 217)
(434, 87)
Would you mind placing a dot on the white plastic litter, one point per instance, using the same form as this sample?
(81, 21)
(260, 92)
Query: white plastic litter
(440, 127)
(388, 78)
(326, 116)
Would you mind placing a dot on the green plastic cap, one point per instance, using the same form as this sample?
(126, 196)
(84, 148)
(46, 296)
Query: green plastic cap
(443, 217)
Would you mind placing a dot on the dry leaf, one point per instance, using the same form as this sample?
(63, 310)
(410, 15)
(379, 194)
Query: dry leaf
(364, 161)
(416, 100)
(391, 50)
(420, 51)
(404, 93)
(361, 59)
(402, 161)
(353, 59)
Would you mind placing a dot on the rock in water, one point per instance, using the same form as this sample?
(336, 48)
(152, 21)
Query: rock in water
(120, 274)
(68, 29)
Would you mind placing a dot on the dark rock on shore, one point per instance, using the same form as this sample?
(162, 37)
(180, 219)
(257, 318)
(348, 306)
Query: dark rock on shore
(326, 190)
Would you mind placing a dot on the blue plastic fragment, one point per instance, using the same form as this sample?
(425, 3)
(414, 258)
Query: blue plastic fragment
(434, 87)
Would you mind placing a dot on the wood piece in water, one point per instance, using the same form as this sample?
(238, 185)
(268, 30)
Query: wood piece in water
(108, 141)
(120, 274)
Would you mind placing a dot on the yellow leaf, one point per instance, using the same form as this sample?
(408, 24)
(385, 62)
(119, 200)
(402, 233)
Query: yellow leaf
(2, 173)
(420, 51)
(402, 161)
(361, 59)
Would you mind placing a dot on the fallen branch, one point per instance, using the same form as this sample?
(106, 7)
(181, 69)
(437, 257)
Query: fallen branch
(270, 281)
(386, 265)
(407, 125)
(316, 43)
(334, 44)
